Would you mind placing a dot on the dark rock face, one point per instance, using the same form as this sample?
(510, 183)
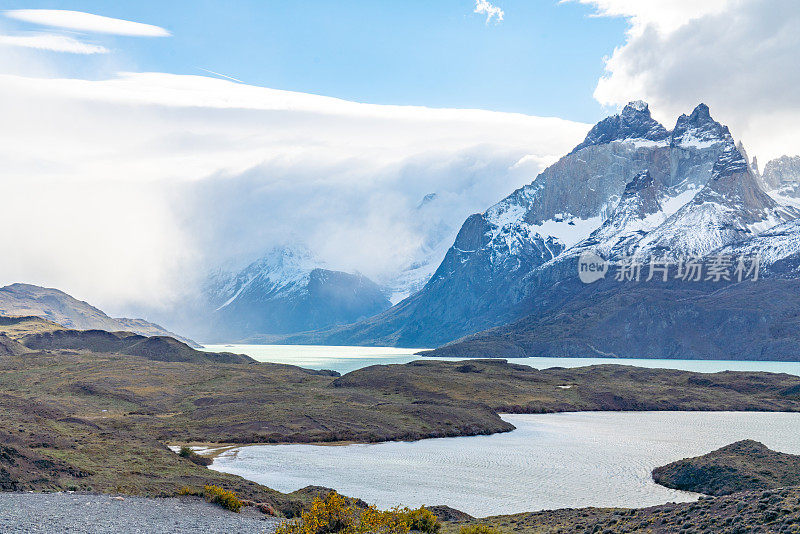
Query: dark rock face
(747, 321)
(742, 466)
(698, 128)
(631, 188)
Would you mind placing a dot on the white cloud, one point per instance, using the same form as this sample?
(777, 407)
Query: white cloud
(86, 22)
(737, 56)
(53, 43)
(491, 11)
(665, 15)
(125, 190)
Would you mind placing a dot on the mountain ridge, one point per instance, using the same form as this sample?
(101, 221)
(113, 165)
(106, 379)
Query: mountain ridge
(20, 299)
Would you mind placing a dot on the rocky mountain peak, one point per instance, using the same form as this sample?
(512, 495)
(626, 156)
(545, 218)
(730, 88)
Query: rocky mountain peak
(633, 122)
(698, 129)
(730, 162)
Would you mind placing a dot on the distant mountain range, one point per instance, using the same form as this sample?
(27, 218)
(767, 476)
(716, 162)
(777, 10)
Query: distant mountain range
(632, 187)
(69, 312)
(288, 290)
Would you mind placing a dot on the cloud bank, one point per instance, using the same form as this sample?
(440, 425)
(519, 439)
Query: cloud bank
(127, 190)
(738, 56)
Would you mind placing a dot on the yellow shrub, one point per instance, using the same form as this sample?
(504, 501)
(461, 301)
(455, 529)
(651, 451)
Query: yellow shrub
(423, 520)
(334, 514)
(226, 499)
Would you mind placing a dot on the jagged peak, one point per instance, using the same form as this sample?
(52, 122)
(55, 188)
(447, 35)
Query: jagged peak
(633, 122)
(730, 162)
(698, 129)
(701, 112)
(733, 184)
(637, 106)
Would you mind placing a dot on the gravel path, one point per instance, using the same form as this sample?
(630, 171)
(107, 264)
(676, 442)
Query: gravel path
(54, 513)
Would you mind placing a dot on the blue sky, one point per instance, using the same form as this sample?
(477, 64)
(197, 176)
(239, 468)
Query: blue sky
(544, 58)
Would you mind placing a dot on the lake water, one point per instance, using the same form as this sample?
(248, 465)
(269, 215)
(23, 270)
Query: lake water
(550, 461)
(346, 359)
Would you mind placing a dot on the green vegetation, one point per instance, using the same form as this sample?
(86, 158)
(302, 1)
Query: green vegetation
(18, 327)
(423, 520)
(189, 454)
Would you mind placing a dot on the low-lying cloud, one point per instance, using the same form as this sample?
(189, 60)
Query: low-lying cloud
(126, 191)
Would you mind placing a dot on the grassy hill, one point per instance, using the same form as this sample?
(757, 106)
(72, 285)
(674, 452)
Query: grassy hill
(160, 348)
(740, 466)
(17, 327)
(58, 307)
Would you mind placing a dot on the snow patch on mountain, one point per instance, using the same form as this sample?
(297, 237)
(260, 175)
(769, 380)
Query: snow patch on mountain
(283, 269)
(775, 244)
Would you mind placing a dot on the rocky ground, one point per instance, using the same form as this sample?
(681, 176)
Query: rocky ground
(52, 513)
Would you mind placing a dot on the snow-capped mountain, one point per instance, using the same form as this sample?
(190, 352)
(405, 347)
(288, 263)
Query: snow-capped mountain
(731, 207)
(631, 186)
(289, 290)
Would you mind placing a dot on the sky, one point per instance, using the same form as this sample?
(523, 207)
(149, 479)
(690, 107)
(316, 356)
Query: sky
(146, 144)
(417, 52)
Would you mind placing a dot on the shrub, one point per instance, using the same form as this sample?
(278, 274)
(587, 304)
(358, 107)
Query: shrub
(423, 520)
(189, 454)
(334, 514)
(222, 497)
(479, 529)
